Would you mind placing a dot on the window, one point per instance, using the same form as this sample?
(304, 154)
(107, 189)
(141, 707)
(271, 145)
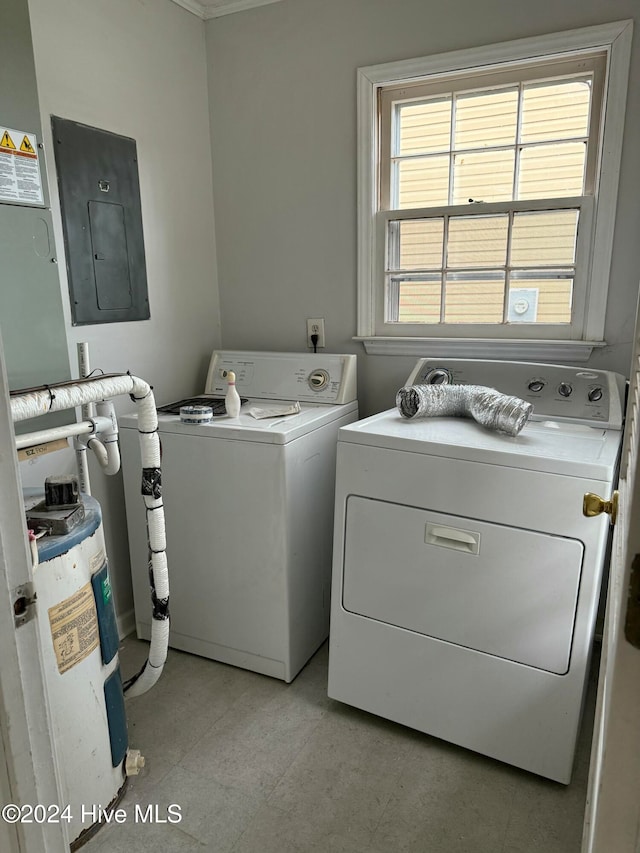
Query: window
(487, 195)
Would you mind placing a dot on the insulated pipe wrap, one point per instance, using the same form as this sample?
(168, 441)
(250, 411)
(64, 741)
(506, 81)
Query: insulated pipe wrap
(71, 395)
(487, 406)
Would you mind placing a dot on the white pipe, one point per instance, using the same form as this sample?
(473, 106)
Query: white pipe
(30, 439)
(107, 453)
(87, 412)
(69, 396)
(83, 467)
(99, 425)
(109, 434)
(84, 370)
(99, 450)
(113, 457)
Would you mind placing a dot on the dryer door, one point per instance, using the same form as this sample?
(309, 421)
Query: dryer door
(501, 590)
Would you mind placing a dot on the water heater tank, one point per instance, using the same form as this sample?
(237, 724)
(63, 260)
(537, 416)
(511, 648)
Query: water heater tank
(79, 641)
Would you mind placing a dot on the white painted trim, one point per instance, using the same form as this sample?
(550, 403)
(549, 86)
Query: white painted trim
(228, 7)
(562, 352)
(220, 7)
(367, 158)
(557, 44)
(612, 813)
(613, 37)
(607, 194)
(191, 6)
(126, 624)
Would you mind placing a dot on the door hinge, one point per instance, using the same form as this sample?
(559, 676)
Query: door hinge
(24, 604)
(632, 619)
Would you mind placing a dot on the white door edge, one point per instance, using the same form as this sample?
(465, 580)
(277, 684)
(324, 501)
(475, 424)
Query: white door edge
(612, 813)
(28, 773)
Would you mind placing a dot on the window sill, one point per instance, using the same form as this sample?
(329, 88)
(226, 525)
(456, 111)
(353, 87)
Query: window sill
(569, 352)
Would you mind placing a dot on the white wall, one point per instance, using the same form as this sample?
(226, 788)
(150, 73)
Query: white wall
(137, 68)
(282, 83)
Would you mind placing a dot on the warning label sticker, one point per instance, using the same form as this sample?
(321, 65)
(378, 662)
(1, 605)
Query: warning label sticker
(26, 145)
(74, 628)
(20, 178)
(7, 141)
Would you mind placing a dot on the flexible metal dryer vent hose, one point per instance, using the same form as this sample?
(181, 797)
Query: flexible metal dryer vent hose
(487, 406)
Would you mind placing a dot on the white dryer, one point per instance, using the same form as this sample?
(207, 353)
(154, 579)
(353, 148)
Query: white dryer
(466, 578)
(249, 511)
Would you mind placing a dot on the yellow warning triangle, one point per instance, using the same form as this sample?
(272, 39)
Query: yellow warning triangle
(27, 146)
(7, 141)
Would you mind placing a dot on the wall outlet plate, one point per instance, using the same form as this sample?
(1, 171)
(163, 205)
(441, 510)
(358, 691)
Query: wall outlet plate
(315, 327)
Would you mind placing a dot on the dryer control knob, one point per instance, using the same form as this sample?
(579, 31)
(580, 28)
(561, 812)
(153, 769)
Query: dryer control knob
(595, 394)
(438, 376)
(564, 389)
(536, 385)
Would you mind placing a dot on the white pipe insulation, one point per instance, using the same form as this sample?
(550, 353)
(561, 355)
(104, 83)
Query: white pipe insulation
(70, 395)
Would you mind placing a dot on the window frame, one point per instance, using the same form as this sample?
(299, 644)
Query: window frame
(598, 213)
(529, 332)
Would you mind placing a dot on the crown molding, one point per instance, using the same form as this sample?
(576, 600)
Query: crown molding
(220, 7)
(191, 6)
(227, 7)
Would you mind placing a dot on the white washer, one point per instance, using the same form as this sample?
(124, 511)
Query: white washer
(465, 577)
(249, 512)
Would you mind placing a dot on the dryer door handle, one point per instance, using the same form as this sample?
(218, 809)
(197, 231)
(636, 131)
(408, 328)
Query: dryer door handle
(452, 537)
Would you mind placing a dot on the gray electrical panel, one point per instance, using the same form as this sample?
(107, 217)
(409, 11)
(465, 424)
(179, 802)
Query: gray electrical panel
(102, 222)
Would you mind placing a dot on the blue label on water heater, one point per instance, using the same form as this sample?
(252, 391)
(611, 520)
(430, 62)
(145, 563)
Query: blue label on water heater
(107, 624)
(116, 717)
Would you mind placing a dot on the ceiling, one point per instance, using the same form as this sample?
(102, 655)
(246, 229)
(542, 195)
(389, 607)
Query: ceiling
(206, 9)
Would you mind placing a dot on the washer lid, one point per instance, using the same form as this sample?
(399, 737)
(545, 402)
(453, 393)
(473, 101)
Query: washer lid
(550, 446)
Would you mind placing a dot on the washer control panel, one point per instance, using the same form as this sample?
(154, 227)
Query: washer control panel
(556, 391)
(306, 377)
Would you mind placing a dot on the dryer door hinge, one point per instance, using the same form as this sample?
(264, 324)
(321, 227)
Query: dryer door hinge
(24, 604)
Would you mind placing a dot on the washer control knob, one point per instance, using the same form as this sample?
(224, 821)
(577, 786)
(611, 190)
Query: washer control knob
(564, 389)
(595, 394)
(438, 376)
(318, 380)
(536, 385)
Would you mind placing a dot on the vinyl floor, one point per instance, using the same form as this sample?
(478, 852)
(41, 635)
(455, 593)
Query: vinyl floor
(259, 766)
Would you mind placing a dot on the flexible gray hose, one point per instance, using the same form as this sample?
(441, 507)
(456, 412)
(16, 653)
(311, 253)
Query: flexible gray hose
(487, 406)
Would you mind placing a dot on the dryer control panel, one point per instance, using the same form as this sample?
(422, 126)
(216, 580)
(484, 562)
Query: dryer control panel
(557, 392)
